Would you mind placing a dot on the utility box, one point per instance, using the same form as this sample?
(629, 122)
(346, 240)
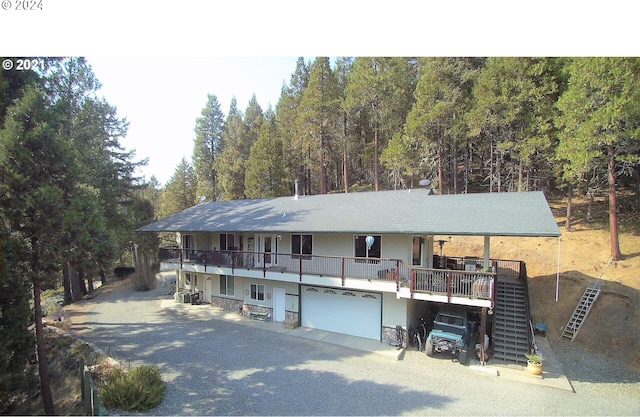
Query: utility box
(183, 297)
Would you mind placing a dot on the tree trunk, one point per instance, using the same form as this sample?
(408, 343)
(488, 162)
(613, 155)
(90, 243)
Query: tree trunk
(323, 169)
(90, 281)
(491, 166)
(521, 176)
(76, 288)
(345, 162)
(43, 365)
(454, 167)
(569, 208)
(376, 162)
(81, 281)
(467, 159)
(613, 207)
(589, 208)
(103, 276)
(66, 280)
(638, 189)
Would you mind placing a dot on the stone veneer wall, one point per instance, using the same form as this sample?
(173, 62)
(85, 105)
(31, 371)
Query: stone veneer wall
(291, 316)
(226, 303)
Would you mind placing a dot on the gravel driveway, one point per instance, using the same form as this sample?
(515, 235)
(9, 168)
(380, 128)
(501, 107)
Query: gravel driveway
(216, 367)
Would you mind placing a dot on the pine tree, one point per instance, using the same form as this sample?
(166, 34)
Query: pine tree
(207, 146)
(318, 120)
(599, 123)
(34, 168)
(180, 191)
(231, 161)
(266, 174)
(287, 112)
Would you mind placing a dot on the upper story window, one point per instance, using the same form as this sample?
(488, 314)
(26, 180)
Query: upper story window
(362, 250)
(227, 241)
(301, 244)
(416, 258)
(189, 246)
(188, 242)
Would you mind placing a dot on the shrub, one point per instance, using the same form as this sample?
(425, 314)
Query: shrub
(141, 389)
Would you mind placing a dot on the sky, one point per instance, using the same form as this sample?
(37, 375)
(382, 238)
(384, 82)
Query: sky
(157, 60)
(162, 99)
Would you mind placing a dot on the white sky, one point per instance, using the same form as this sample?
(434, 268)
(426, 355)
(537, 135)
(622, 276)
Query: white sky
(161, 99)
(157, 60)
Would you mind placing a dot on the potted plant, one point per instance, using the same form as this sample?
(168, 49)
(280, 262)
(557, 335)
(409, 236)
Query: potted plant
(534, 363)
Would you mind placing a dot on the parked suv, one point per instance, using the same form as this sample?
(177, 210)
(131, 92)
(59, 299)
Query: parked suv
(450, 333)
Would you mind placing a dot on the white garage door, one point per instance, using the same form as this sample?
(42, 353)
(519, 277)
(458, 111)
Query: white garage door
(350, 312)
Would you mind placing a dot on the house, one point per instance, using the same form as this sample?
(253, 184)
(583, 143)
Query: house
(357, 263)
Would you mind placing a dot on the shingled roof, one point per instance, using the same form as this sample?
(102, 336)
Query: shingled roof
(405, 211)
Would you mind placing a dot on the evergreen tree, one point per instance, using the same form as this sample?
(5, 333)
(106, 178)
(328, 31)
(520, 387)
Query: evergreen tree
(514, 103)
(231, 161)
(208, 145)
(33, 169)
(436, 124)
(287, 112)
(266, 174)
(318, 120)
(599, 123)
(343, 69)
(382, 88)
(180, 192)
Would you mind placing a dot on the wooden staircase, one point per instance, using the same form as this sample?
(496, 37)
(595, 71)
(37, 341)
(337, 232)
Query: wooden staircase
(511, 330)
(579, 315)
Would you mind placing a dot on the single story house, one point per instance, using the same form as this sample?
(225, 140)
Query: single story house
(354, 263)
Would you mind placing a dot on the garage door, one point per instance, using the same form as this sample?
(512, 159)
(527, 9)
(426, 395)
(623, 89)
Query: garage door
(354, 313)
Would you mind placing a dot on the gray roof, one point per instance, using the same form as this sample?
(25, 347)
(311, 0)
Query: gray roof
(405, 211)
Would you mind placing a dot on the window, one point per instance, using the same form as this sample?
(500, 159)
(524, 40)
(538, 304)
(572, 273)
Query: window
(227, 284)
(227, 241)
(361, 249)
(187, 279)
(417, 251)
(257, 292)
(188, 244)
(302, 245)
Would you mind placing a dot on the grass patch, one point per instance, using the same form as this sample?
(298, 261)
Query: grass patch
(141, 389)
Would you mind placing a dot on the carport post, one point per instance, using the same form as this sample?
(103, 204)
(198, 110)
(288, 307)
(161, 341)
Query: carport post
(483, 332)
(558, 273)
(487, 251)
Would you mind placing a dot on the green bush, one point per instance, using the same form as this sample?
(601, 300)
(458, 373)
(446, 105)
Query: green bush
(141, 389)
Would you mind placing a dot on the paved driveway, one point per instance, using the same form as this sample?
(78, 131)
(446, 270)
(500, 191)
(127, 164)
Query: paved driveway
(218, 367)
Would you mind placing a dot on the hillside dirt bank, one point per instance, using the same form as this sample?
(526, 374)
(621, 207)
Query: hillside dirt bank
(612, 328)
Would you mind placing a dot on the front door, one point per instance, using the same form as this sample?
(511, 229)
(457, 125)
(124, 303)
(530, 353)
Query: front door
(269, 248)
(278, 304)
(208, 290)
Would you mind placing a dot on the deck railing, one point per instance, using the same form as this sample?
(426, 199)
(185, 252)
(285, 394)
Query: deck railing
(453, 283)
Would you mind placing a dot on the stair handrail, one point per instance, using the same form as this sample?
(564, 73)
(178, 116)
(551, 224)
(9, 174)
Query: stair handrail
(530, 334)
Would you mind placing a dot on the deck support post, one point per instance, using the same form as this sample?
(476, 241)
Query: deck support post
(483, 333)
(300, 267)
(487, 251)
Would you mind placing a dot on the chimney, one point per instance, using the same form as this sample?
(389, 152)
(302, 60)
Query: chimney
(295, 197)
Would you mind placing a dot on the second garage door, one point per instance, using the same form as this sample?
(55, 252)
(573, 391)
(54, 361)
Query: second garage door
(354, 313)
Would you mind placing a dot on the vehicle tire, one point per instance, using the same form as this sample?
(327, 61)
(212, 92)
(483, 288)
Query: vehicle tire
(429, 348)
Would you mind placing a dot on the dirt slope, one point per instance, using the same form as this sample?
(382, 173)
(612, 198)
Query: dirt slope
(613, 325)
